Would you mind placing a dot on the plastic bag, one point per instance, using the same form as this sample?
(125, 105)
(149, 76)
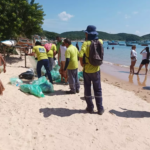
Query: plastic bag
(27, 75)
(40, 81)
(43, 70)
(32, 89)
(47, 87)
(55, 75)
(56, 68)
(80, 76)
(16, 81)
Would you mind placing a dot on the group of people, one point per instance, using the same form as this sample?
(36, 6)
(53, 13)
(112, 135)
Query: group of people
(68, 57)
(145, 59)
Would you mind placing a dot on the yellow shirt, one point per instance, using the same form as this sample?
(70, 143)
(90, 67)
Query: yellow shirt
(88, 68)
(51, 51)
(40, 52)
(72, 53)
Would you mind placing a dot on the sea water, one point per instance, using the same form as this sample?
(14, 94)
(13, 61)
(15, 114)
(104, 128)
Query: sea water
(120, 55)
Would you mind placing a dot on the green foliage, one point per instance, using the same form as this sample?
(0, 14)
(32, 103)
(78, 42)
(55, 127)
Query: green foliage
(49, 35)
(146, 37)
(20, 18)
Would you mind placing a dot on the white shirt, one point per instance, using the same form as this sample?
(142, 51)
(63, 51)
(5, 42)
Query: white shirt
(144, 55)
(133, 53)
(62, 51)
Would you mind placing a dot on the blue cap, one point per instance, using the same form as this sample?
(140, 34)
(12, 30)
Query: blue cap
(91, 30)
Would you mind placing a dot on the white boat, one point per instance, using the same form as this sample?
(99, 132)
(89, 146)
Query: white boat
(9, 42)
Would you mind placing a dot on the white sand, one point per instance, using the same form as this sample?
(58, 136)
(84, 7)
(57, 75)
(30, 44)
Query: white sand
(59, 122)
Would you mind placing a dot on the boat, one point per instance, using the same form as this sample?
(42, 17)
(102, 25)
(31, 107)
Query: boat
(24, 42)
(144, 43)
(112, 43)
(122, 43)
(9, 43)
(129, 44)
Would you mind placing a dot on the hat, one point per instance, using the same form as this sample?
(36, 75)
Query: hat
(91, 30)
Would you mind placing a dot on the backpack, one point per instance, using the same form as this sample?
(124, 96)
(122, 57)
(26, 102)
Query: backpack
(48, 46)
(96, 53)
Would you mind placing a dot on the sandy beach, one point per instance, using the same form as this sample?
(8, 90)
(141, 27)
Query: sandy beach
(60, 122)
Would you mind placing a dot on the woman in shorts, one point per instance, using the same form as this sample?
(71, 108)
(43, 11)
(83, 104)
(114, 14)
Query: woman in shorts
(133, 59)
(145, 59)
(2, 68)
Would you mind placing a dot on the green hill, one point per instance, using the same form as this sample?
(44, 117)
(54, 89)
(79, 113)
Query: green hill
(146, 37)
(73, 35)
(79, 35)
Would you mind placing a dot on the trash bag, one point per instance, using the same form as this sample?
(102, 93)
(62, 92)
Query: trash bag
(27, 75)
(56, 68)
(80, 76)
(40, 81)
(43, 70)
(32, 89)
(55, 75)
(15, 81)
(47, 87)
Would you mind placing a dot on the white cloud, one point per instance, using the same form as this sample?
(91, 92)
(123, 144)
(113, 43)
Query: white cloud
(137, 32)
(135, 12)
(119, 12)
(127, 25)
(127, 16)
(64, 16)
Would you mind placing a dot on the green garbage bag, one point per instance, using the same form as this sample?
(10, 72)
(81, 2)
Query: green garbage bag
(32, 89)
(43, 70)
(39, 81)
(55, 75)
(47, 87)
(80, 76)
(15, 81)
(56, 68)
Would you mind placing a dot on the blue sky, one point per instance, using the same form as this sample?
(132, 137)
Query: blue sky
(112, 16)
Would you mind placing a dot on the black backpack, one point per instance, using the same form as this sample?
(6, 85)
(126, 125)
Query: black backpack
(96, 53)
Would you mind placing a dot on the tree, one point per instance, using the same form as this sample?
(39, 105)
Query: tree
(20, 18)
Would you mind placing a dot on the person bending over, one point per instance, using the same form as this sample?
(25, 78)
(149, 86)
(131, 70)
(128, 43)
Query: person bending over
(40, 51)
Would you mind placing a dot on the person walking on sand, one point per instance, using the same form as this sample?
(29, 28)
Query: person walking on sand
(91, 72)
(133, 59)
(61, 62)
(40, 51)
(2, 68)
(71, 65)
(145, 59)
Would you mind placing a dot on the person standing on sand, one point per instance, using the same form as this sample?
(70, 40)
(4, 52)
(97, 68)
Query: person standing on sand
(51, 51)
(145, 59)
(71, 65)
(40, 51)
(133, 59)
(2, 68)
(62, 61)
(91, 73)
(59, 42)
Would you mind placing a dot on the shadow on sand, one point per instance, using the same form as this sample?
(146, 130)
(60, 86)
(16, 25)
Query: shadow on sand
(146, 88)
(61, 112)
(11, 60)
(130, 113)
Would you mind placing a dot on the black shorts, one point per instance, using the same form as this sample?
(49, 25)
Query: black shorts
(145, 61)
